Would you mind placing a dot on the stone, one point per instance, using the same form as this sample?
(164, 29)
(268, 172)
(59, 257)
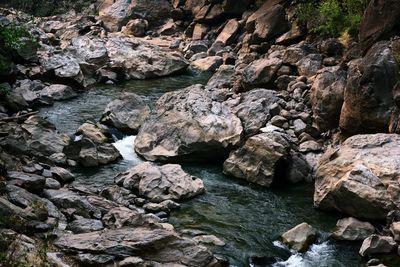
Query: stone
(246, 162)
(31, 182)
(62, 175)
(120, 217)
(52, 184)
(83, 225)
(161, 183)
(380, 22)
(222, 78)
(169, 28)
(199, 31)
(376, 244)
(310, 146)
(300, 237)
(135, 27)
(126, 113)
(228, 33)
(368, 97)
(352, 229)
(327, 95)
(59, 92)
(309, 65)
(260, 73)
(360, 177)
(253, 109)
(279, 121)
(157, 244)
(208, 64)
(209, 240)
(395, 230)
(92, 132)
(188, 124)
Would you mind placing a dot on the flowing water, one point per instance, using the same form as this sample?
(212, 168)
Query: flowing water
(248, 219)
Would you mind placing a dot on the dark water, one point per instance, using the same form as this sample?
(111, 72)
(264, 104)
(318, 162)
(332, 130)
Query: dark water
(247, 218)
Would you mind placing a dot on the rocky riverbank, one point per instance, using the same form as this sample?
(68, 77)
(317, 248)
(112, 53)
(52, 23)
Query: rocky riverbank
(282, 107)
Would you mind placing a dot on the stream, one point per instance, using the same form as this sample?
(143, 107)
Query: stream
(247, 218)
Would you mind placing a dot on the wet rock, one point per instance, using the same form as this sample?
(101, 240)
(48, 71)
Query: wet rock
(260, 73)
(208, 63)
(300, 237)
(247, 162)
(209, 240)
(161, 183)
(31, 182)
(140, 60)
(62, 175)
(368, 97)
(59, 92)
(327, 94)
(150, 244)
(83, 225)
(360, 177)
(376, 244)
(352, 229)
(186, 125)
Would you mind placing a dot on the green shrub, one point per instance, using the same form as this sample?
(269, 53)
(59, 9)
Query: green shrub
(331, 17)
(14, 37)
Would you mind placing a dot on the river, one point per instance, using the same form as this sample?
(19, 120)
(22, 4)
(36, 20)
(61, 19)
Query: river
(247, 218)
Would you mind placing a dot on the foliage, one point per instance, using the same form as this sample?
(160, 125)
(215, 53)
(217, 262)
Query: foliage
(332, 17)
(14, 36)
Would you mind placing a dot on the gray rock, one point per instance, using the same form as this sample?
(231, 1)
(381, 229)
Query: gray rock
(222, 78)
(300, 237)
(352, 229)
(62, 175)
(187, 125)
(31, 182)
(260, 73)
(58, 92)
(52, 184)
(83, 225)
(309, 65)
(208, 64)
(126, 113)
(376, 244)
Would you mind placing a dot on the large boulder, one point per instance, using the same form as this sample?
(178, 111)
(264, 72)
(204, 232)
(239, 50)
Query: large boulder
(300, 237)
(376, 244)
(116, 14)
(368, 97)
(260, 73)
(352, 229)
(59, 92)
(139, 60)
(360, 177)
(188, 125)
(380, 22)
(153, 244)
(327, 94)
(159, 183)
(263, 159)
(126, 113)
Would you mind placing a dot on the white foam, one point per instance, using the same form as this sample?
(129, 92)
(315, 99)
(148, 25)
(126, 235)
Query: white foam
(125, 148)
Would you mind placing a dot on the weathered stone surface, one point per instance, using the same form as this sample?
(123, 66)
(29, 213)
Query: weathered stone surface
(126, 113)
(260, 73)
(309, 65)
(376, 244)
(62, 175)
(395, 230)
(136, 27)
(327, 94)
(368, 97)
(360, 177)
(352, 229)
(83, 225)
(158, 244)
(92, 132)
(161, 183)
(222, 78)
(300, 237)
(380, 21)
(31, 182)
(208, 63)
(187, 125)
(228, 33)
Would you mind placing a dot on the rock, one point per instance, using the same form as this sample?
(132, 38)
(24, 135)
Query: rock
(136, 27)
(222, 78)
(169, 28)
(126, 113)
(246, 162)
(64, 66)
(62, 175)
(309, 65)
(352, 229)
(120, 217)
(209, 240)
(92, 132)
(58, 158)
(65, 199)
(379, 22)
(20, 219)
(267, 22)
(150, 244)
(360, 177)
(310, 146)
(260, 73)
(208, 63)
(131, 261)
(187, 125)
(327, 93)
(59, 92)
(140, 60)
(395, 230)
(300, 237)
(253, 109)
(83, 225)
(20, 98)
(117, 13)
(280, 122)
(368, 97)
(119, 195)
(31, 182)
(228, 33)
(199, 31)
(376, 244)
(52, 184)
(161, 183)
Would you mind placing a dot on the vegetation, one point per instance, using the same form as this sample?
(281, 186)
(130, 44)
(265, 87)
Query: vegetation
(14, 37)
(331, 18)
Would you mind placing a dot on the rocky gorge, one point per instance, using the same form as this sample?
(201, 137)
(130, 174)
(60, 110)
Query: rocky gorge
(144, 133)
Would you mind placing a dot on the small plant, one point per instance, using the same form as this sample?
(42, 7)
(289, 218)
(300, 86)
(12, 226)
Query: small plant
(4, 90)
(15, 37)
